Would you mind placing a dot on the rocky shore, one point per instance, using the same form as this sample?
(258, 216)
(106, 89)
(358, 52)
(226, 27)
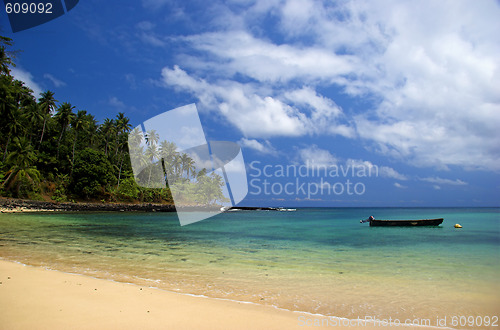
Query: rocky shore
(10, 205)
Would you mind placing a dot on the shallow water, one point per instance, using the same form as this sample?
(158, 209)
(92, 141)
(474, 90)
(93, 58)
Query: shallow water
(315, 260)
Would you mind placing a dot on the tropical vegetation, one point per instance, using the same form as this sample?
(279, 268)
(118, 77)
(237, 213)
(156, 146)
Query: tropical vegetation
(51, 150)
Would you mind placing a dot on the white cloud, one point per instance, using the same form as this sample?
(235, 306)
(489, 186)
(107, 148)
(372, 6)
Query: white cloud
(115, 102)
(264, 148)
(257, 115)
(383, 171)
(441, 181)
(27, 78)
(324, 111)
(54, 80)
(254, 115)
(264, 61)
(400, 186)
(313, 156)
(432, 70)
(389, 172)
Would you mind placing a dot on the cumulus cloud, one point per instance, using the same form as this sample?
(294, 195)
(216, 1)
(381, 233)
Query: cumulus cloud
(27, 78)
(264, 148)
(441, 181)
(268, 62)
(316, 157)
(431, 71)
(115, 102)
(399, 185)
(383, 171)
(256, 115)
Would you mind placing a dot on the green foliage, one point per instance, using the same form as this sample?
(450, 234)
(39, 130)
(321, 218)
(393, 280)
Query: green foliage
(61, 193)
(92, 172)
(128, 189)
(70, 155)
(22, 178)
(206, 190)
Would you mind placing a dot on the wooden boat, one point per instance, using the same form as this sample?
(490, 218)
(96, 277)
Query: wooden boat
(252, 208)
(405, 223)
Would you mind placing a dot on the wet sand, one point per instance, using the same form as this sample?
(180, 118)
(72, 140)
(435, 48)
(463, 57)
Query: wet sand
(36, 298)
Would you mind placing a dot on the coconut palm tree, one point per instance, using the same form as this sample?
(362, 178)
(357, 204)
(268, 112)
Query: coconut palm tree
(14, 125)
(22, 94)
(47, 104)
(187, 164)
(63, 116)
(33, 117)
(107, 129)
(168, 153)
(78, 123)
(91, 128)
(21, 159)
(152, 154)
(5, 60)
(177, 166)
(122, 127)
(152, 137)
(135, 138)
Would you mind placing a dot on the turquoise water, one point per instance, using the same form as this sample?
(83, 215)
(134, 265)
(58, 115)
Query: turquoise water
(315, 260)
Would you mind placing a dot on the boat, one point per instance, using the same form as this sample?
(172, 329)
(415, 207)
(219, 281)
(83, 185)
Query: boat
(403, 223)
(252, 208)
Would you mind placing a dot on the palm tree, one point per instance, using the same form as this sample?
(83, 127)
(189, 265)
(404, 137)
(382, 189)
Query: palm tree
(47, 104)
(78, 123)
(106, 130)
(91, 128)
(177, 166)
(187, 164)
(33, 116)
(21, 158)
(135, 137)
(152, 137)
(22, 94)
(14, 126)
(5, 60)
(122, 126)
(64, 116)
(152, 156)
(168, 153)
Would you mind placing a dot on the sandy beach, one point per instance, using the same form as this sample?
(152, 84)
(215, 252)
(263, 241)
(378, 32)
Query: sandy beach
(36, 298)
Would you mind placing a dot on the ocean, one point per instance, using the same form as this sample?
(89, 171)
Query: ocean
(316, 260)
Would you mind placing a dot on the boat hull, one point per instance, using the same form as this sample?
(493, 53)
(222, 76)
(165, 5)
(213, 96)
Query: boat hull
(406, 223)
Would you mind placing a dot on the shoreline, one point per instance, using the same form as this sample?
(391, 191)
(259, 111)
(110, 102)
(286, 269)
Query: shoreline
(13, 205)
(35, 297)
(176, 262)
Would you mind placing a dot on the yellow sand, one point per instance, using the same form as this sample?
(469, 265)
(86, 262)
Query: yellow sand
(36, 298)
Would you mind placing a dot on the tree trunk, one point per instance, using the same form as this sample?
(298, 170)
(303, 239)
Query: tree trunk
(73, 160)
(43, 131)
(59, 143)
(6, 146)
(120, 172)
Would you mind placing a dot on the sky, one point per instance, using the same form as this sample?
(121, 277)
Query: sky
(334, 103)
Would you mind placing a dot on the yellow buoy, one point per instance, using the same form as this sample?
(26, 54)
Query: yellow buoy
(458, 226)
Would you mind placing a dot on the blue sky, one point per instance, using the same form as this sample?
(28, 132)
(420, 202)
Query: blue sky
(411, 88)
